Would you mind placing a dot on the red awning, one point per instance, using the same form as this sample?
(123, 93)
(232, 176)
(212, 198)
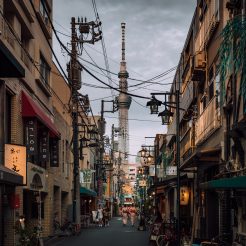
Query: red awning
(31, 109)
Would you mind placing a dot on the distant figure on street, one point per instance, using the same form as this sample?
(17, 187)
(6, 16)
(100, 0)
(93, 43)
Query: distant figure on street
(124, 215)
(106, 216)
(133, 213)
(100, 216)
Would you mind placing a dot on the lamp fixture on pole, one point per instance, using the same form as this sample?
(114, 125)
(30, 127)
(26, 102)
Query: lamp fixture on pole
(153, 104)
(166, 115)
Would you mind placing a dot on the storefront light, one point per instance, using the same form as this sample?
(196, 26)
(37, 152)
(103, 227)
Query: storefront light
(184, 195)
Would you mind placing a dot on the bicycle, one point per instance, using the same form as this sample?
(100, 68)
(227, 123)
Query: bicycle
(217, 241)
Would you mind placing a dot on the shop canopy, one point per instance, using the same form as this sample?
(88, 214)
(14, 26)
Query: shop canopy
(31, 109)
(87, 192)
(9, 176)
(225, 183)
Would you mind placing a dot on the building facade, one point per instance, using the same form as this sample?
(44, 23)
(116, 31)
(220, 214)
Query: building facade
(212, 119)
(35, 116)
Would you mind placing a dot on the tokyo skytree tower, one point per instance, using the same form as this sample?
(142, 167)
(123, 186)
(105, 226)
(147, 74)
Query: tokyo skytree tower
(124, 102)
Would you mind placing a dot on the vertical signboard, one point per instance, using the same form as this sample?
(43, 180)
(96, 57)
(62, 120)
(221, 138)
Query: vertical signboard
(152, 170)
(31, 136)
(15, 159)
(44, 146)
(54, 152)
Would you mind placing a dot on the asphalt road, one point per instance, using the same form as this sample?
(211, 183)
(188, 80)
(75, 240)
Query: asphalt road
(114, 235)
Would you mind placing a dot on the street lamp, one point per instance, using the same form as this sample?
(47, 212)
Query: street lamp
(153, 104)
(166, 115)
(143, 152)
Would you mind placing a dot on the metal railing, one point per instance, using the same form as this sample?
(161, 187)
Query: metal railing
(208, 121)
(185, 143)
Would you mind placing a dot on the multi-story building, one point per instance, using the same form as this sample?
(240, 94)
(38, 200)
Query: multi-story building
(34, 115)
(212, 124)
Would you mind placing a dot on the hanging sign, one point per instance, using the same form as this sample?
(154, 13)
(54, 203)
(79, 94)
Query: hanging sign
(152, 170)
(142, 183)
(15, 159)
(86, 176)
(31, 136)
(54, 152)
(171, 170)
(44, 145)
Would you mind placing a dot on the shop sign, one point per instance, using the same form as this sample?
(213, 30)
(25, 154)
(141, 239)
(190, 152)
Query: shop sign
(142, 183)
(31, 136)
(54, 152)
(171, 170)
(36, 177)
(44, 146)
(86, 176)
(15, 159)
(160, 172)
(152, 170)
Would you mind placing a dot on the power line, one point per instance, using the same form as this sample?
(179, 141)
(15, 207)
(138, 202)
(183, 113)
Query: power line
(103, 45)
(107, 76)
(140, 120)
(48, 40)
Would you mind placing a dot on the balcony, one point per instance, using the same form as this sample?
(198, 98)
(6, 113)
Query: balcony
(208, 25)
(187, 97)
(208, 121)
(9, 53)
(186, 145)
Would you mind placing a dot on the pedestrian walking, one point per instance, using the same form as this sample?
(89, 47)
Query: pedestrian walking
(100, 216)
(106, 216)
(124, 215)
(133, 213)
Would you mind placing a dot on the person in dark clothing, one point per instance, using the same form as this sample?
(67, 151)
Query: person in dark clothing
(142, 225)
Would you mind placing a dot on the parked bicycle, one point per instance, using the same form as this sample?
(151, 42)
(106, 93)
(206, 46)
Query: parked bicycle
(217, 241)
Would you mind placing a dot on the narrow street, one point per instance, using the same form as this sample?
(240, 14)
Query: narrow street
(115, 234)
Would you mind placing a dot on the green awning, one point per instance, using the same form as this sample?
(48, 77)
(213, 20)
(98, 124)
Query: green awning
(225, 183)
(87, 192)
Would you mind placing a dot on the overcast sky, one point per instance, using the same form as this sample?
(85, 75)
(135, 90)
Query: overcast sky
(155, 35)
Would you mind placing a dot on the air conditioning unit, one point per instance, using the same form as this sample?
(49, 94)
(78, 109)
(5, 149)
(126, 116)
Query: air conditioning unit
(199, 60)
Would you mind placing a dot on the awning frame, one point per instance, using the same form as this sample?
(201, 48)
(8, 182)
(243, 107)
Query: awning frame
(31, 109)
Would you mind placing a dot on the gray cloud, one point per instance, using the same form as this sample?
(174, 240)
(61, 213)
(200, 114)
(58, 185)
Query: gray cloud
(155, 35)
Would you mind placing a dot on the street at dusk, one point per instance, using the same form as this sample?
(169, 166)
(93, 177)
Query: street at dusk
(115, 234)
(122, 122)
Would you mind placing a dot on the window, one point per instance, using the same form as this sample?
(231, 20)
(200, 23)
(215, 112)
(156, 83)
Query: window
(43, 11)
(44, 70)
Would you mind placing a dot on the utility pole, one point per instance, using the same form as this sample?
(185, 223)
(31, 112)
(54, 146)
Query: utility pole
(74, 75)
(102, 124)
(76, 85)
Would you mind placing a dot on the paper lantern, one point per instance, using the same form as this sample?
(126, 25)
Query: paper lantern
(184, 195)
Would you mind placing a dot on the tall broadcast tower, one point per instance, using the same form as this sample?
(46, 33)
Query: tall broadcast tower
(124, 103)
